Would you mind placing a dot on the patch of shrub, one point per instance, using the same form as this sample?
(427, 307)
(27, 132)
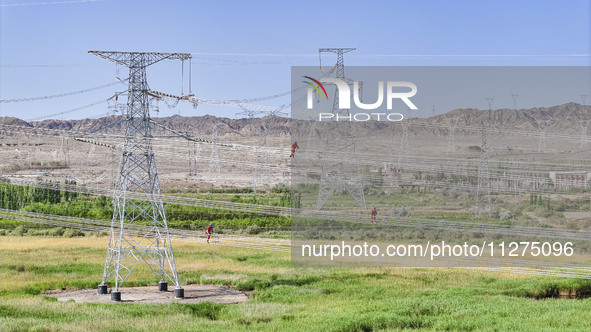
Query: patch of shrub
(73, 233)
(505, 215)
(58, 231)
(254, 229)
(399, 212)
(38, 232)
(19, 231)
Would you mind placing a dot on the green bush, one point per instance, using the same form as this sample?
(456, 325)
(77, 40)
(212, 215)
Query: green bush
(254, 229)
(505, 215)
(38, 232)
(58, 231)
(70, 232)
(19, 231)
(399, 212)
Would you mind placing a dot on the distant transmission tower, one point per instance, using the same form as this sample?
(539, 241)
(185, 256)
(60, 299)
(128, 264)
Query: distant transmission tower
(59, 154)
(405, 142)
(451, 138)
(214, 161)
(516, 190)
(89, 163)
(194, 170)
(489, 101)
(543, 129)
(63, 152)
(584, 124)
(583, 98)
(341, 173)
(483, 198)
(514, 96)
(263, 142)
(137, 196)
(90, 154)
(262, 165)
(404, 151)
(259, 157)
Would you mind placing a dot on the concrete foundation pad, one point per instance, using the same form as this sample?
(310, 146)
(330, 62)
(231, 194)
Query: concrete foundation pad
(151, 295)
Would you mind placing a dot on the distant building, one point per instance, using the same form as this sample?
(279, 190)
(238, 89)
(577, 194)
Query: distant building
(567, 180)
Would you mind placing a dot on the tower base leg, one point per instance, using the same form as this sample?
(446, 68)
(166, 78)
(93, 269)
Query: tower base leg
(115, 296)
(102, 289)
(163, 286)
(179, 293)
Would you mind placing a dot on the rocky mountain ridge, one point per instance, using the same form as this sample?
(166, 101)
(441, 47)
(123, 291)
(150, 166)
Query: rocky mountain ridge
(562, 118)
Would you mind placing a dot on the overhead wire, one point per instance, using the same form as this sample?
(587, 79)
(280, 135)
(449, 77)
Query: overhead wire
(69, 111)
(60, 95)
(312, 214)
(544, 268)
(464, 167)
(339, 217)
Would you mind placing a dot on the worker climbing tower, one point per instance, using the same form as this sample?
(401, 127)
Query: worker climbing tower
(136, 199)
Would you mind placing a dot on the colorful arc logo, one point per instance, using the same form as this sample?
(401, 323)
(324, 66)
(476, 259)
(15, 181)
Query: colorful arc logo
(316, 87)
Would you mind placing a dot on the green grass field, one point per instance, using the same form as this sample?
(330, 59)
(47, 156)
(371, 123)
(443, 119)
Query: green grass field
(36, 258)
(282, 298)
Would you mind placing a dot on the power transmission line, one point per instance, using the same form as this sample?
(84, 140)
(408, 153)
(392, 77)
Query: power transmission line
(66, 94)
(68, 111)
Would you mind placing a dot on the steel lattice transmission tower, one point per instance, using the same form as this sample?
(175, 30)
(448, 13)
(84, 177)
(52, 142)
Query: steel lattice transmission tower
(483, 197)
(514, 97)
(451, 138)
(343, 173)
(61, 154)
(405, 147)
(258, 176)
(489, 101)
(194, 167)
(404, 150)
(262, 165)
(214, 161)
(137, 195)
(543, 128)
(584, 124)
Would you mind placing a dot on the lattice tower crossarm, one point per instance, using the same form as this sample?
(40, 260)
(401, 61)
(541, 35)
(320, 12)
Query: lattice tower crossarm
(138, 174)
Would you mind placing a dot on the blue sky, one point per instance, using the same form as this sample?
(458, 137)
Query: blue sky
(244, 49)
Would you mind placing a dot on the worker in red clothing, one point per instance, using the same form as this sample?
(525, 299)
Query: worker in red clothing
(374, 213)
(209, 231)
(294, 146)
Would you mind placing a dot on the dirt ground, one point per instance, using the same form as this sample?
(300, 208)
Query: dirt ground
(151, 295)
